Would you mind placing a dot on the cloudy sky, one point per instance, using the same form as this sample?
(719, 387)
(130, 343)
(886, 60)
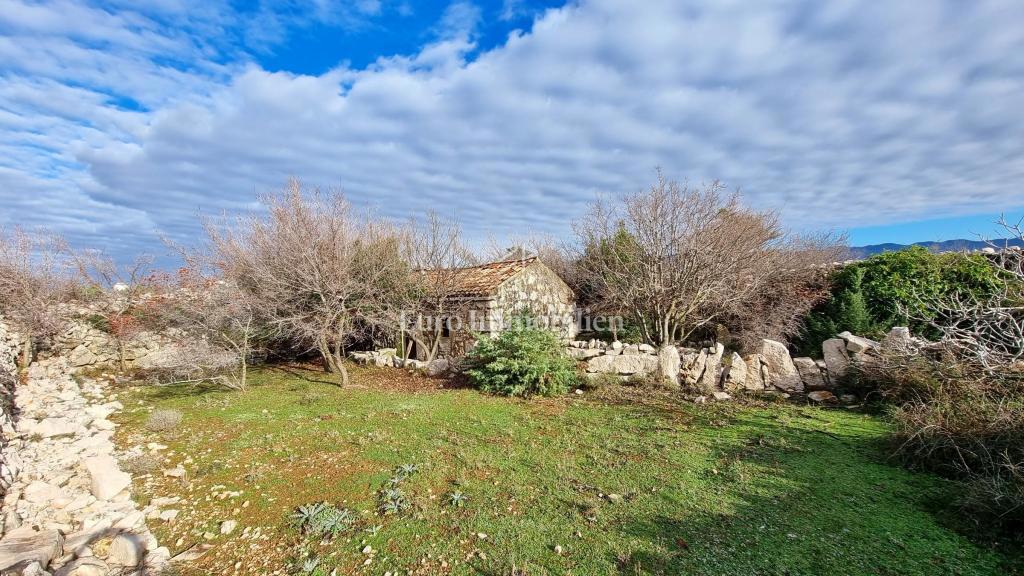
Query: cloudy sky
(897, 120)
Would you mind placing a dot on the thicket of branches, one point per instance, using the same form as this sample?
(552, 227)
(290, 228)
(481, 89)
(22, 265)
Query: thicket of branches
(675, 259)
(958, 402)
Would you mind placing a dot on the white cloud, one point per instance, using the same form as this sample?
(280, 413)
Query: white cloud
(838, 114)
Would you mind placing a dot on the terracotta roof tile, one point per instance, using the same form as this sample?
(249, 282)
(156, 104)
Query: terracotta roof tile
(484, 280)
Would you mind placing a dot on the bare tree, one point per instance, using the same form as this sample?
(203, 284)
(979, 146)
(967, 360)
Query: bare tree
(34, 279)
(324, 274)
(437, 254)
(213, 315)
(123, 287)
(988, 330)
(677, 258)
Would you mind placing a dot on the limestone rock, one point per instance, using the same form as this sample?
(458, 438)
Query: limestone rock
(712, 368)
(757, 373)
(436, 367)
(107, 479)
(836, 358)
(721, 396)
(810, 374)
(52, 427)
(669, 363)
(25, 545)
(81, 356)
(857, 344)
(781, 370)
(126, 550)
(228, 526)
(735, 376)
(84, 567)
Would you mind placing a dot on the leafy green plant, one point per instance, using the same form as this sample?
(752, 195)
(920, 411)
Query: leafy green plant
(457, 499)
(393, 501)
(323, 520)
(522, 361)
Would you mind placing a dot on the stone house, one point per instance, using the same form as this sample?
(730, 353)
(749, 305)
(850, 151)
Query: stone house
(491, 294)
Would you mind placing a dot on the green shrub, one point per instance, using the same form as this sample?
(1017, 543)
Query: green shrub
(522, 361)
(871, 296)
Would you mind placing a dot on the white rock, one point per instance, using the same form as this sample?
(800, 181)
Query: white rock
(40, 492)
(84, 567)
(51, 427)
(107, 479)
(837, 360)
(228, 526)
(126, 549)
(25, 545)
(857, 344)
(736, 374)
(669, 363)
(810, 374)
(781, 370)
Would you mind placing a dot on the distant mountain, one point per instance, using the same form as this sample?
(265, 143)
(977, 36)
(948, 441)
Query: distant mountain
(944, 246)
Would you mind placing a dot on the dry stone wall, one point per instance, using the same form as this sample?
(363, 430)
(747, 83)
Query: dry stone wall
(716, 373)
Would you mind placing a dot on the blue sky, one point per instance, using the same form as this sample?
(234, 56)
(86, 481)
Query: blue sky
(121, 122)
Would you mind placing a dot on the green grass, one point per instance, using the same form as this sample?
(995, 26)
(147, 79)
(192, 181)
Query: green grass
(770, 489)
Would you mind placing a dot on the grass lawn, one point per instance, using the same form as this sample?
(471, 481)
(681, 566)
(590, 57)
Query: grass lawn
(584, 485)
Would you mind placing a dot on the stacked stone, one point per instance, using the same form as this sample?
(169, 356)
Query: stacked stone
(716, 374)
(69, 508)
(86, 346)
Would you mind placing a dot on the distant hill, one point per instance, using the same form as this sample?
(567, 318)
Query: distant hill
(944, 246)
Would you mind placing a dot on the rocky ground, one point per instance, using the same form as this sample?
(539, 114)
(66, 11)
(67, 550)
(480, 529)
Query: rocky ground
(69, 510)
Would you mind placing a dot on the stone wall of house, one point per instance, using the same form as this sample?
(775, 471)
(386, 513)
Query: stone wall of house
(543, 293)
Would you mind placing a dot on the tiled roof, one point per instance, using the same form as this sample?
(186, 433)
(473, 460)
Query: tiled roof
(483, 280)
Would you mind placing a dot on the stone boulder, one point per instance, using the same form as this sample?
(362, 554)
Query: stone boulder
(436, 367)
(84, 567)
(781, 370)
(624, 365)
(857, 344)
(837, 360)
(810, 374)
(107, 478)
(23, 546)
(126, 550)
(735, 374)
(712, 368)
(669, 363)
(757, 373)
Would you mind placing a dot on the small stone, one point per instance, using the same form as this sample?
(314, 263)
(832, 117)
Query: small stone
(176, 472)
(823, 397)
(614, 498)
(228, 526)
(126, 549)
(168, 515)
(558, 550)
(368, 550)
(721, 396)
